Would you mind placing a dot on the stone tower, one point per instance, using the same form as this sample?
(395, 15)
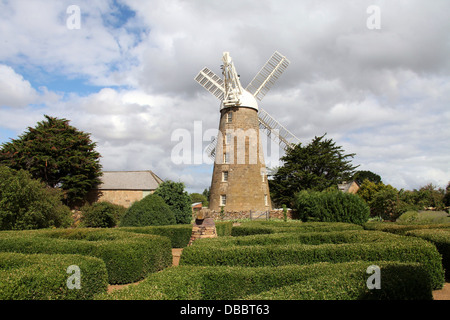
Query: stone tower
(239, 180)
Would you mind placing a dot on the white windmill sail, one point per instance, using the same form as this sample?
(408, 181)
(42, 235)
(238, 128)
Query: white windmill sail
(276, 131)
(267, 76)
(211, 82)
(258, 87)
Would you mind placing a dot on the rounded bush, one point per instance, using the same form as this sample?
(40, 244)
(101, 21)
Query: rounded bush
(152, 210)
(102, 215)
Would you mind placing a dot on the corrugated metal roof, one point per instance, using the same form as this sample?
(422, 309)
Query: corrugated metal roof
(129, 180)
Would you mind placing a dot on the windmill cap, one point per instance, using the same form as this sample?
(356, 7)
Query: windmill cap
(246, 100)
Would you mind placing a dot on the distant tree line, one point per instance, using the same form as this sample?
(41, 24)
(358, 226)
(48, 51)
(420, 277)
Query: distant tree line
(321, 165)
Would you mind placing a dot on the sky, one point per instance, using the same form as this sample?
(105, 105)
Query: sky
(373, 75)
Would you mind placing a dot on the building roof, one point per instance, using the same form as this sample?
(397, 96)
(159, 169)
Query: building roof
(129, 180)
(345, 186)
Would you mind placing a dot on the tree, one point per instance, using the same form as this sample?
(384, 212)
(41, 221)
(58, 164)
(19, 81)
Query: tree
(57, 154)
(317, 166)
(178, 200)
(198, 197)
(362, 175)
(446, 199)
(150, 211)
(26, 203)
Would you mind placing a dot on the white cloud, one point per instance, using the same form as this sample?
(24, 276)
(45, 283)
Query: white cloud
(383, 94)
(15, 91)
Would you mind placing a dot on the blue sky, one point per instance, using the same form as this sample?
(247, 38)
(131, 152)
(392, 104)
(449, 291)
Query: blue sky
(126, 77)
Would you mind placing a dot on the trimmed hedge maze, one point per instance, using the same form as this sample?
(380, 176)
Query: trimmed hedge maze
(33, 264)
(253, 260)
(331, 281)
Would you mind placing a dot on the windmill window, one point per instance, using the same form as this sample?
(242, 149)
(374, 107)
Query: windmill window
(225, 176)
(229, 117)
(226, 157)
(266, 200)
(223, 200)
(228, 138)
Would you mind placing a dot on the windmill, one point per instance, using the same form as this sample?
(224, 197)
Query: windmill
(239, 181)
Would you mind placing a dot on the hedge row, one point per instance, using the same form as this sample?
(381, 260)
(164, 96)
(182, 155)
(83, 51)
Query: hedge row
(398, 228)
(179, 235)
(268, 227)
(313, 238)
(441, 239)
(128, 256)
(45, 277)
(412, 250)
(342, 281)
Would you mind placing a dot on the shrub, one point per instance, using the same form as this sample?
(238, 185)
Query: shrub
(269, 227)
(128, 257)
(342, 281)
(331, 207)
(26, 203)
(102, 215)
(402, 228)
(178, 200)
(179, 235)
(224, 228)
(406, 250)
(441, 239)
(287, 238)
(151, 210)
(44, 276)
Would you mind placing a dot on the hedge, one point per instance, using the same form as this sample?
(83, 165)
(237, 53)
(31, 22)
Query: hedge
(399, 228)
(412, 250)
(179, 235)
(313, 238)
(399, 281)
(44, 276)
(268, 227)
(128, 257)
(441, 239)
(343, 281)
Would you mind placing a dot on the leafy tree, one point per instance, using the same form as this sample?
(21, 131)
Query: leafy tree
(26, 203)
(368, 189)
(362, 175)
(334, 206)
(446, 199)
(384, 200)
(206, 193)
(317, 166)
(150, 211)
(386, 204)
(178, 199)
(198, 197)
(57, 154)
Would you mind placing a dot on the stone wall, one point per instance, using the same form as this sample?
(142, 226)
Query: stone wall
(234, 215)
(121, 197)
